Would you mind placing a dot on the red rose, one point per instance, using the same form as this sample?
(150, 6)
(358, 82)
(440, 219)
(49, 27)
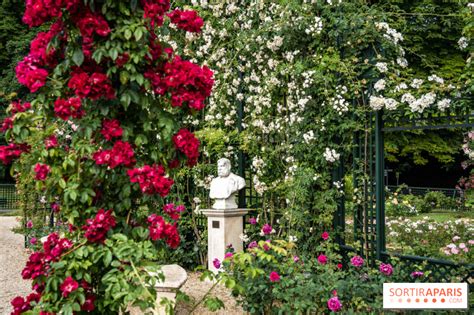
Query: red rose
(69, 285)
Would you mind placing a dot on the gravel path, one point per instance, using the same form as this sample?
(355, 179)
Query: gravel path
(13, 258)
(12, 261)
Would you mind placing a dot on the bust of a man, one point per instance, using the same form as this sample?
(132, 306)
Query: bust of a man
(225, 186)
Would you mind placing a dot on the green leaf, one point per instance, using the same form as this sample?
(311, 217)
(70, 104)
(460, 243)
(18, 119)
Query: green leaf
(78, 57)
(127, 34)
(107, 258)
(138, 33)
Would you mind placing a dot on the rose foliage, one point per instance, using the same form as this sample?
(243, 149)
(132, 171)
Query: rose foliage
(105, 123)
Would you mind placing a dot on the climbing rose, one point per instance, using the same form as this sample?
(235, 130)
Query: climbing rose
(155, 10)
(20, 305)
(252, 244)
(188, 20)
(93, 23)
(121, 154)
(274, 276)
(267, 229)
(18, 107)
(159, 229)
(111, 129)
(339, 266)
(325, 236)
(173, 211)
(88, 305)
(253, 221)
(69, 285)
(30, 74)
(7, 124)
(97, 228)
(51, 142)
(217, 263)
(386, 269)
(12, 151)
(228, 255)
(186, 142)
(417, 274)
(65, 109)
(357, 261)
(152, 179)
(92, 86)
(322, 259)
(334, 304)
(42, 171)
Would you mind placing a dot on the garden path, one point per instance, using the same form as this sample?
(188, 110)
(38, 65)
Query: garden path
(13, 257)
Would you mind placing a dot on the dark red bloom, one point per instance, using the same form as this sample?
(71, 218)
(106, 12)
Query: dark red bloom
(42, 171)
(122, 60)
(55, 207)
(69, 285)
(152, 179)
(189, 20)
(186, 142)
(29, 74)
(7, 124)
(11, 152)
(111, 129)
(51, 142)
(159, 229)
(97, 228)
(88, 305)
(65, 109)
(155, 10)
(18, 107)
(121, 154)
(173, 211)
(94, 86)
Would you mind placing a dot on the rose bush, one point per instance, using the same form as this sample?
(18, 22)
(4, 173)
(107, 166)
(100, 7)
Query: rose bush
(102, 137)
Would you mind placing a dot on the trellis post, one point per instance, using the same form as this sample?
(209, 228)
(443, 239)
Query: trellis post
(379, 186)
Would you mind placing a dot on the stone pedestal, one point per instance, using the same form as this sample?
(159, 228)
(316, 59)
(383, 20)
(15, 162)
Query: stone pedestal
(224, 228)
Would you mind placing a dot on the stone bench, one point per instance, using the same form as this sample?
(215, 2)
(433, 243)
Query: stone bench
(175, 277)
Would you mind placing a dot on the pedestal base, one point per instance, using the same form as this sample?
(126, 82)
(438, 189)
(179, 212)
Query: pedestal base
(224, 228)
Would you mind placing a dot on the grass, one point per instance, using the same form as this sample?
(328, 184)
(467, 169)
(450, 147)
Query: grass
(10, 213)
(440, 216)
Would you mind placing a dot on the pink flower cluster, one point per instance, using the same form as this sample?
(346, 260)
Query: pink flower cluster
(17, 107)
(155, 10)
(90, 24)
(69, 285)
(42, 171)
(173, 211)
(30, 74)
(12, 151)
(31, 71)
(152, 179)
(92, 86)
(111, 129)
(187, 82)
(40, 11)
(187, 143)
(21, 305)
(65, 109)
(357, 261)
(159, 229)
(121, 154)
(51, 142)
(97, 228)
(386, 269)
(38, 262)
(188, 20)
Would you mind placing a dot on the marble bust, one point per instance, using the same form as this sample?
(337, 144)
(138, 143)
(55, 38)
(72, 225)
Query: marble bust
(225, 186)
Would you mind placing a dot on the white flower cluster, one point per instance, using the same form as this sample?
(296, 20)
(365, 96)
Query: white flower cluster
(308, 137)
(380, 85)
(390, 33)
(463, 43)
(436, 79)
(316, 27)
(419, 105)
(382, 66)
(331, 155)
(338, 102)
(379, 102)
(443, 104)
